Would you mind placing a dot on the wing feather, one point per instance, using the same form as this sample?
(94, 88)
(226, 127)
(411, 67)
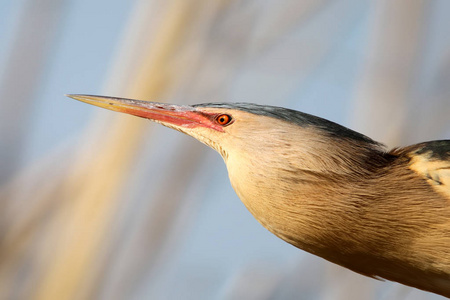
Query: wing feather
(432, 161)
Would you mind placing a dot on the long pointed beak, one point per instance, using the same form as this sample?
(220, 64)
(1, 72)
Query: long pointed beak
(166, 114)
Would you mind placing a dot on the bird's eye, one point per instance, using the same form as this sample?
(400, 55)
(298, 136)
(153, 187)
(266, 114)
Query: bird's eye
(223, 119)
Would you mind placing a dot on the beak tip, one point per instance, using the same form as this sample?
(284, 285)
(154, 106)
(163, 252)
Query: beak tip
(73, 96)
(80, 97)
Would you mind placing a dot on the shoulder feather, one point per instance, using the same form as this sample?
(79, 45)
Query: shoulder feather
(430, 160)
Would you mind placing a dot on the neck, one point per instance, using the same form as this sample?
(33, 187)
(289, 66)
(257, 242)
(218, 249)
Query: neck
(290, 193)
(346, 209)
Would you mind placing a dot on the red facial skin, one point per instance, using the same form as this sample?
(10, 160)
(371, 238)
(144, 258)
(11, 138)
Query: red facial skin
(176, 115)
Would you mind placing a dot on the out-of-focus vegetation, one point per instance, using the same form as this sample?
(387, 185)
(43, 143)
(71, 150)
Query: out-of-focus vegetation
(97, 205)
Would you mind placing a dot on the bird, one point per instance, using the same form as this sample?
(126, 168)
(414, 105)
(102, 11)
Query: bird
(325, 188)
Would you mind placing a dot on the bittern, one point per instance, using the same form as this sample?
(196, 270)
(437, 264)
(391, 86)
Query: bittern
(325, 188)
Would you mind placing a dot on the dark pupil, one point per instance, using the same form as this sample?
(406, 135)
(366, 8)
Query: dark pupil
(222, 120)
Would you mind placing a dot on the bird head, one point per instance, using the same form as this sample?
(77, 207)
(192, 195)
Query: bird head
(237, 128)
(218, 126)
(261, 145)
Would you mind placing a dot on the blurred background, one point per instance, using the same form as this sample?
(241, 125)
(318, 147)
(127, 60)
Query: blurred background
(99, 205)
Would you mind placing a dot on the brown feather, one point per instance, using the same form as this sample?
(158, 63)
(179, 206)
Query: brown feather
(349, 202)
